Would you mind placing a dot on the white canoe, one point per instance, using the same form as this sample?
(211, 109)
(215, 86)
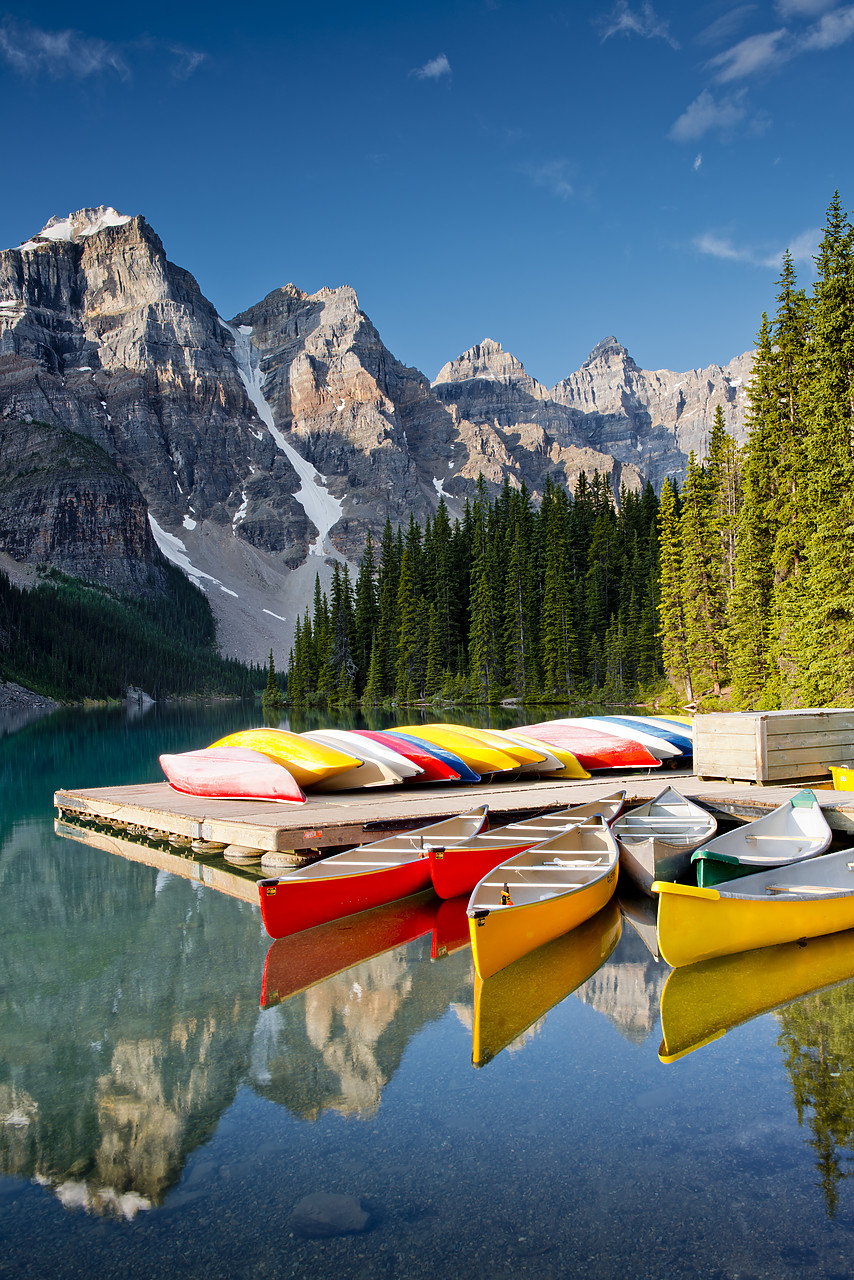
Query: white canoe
(381, 766)
(657, 839)
(793, 832)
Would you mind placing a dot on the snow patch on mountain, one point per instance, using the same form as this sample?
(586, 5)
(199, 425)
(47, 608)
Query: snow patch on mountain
(322, 509)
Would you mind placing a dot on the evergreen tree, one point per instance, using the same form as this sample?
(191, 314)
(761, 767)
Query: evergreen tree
(674, 643)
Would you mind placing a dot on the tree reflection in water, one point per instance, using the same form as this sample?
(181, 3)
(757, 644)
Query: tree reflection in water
(817, 1039)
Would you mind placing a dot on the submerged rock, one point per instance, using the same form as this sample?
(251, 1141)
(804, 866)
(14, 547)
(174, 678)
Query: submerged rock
(321, 1215)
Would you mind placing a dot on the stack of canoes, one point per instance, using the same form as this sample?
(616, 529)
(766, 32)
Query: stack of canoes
(352, 759)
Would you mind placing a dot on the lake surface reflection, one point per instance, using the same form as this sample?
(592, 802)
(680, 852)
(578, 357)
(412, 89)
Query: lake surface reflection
(172, 1085)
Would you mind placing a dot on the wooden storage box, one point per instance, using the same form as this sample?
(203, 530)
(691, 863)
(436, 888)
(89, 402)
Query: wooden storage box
(773, 746)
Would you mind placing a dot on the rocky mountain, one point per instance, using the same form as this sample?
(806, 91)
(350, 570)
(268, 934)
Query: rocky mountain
(265, 447)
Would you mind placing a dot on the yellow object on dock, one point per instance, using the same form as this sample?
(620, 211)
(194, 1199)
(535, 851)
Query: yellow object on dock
(309, 762)
(843, 776)
(477, 755)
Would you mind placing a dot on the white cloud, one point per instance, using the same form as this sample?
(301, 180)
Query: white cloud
(757, 53)
(802, 249)
(434, 69)
(187, 61)
(706, 113)
(31, 51)
(644, 22)
(553, 177)
(698, 160)
(833, 29)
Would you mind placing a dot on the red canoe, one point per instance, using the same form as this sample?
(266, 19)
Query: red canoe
(458, 869)
(231, 773)
(360, 878)
(435, 770)
(593, 748)
(297, 963)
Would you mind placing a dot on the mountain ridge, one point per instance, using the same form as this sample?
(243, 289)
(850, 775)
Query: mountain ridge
(267, 446)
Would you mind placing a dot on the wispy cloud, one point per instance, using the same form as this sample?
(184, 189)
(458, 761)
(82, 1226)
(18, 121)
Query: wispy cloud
(187, 60)
(706, 113)
(553, 176)
(698, 160)
(726, 26)
(763, 52)
(644, 22)
(770, 50)
(833, 29)
(802, 249)
(32, 52)
(434, 69)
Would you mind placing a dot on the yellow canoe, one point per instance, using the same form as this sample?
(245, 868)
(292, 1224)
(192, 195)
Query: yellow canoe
(541, 894)
(309, 762)
(570, 767)
(526, 755)
(802, 900)
(506, 1004)
(477, 755)
(701, 1002)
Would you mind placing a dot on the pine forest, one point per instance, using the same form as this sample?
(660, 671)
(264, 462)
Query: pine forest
(736, 590)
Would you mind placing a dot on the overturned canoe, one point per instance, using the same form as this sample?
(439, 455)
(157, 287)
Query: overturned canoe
(592, 747)
(804, 900)
(463, 771)
(430, 767)
(657, 838)
(379, 767)
(656, 744)
(540, 894)
(478, 755)
(793, 832)
(457, 869)
(309, 762)
(360, 878)
(230, 773)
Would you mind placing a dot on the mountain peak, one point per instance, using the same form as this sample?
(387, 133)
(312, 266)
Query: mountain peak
(76, 226)
(485, 360)
(607, 347)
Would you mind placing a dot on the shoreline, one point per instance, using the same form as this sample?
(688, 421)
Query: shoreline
(20, 706)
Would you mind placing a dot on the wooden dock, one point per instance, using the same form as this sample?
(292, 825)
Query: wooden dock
(335, 820)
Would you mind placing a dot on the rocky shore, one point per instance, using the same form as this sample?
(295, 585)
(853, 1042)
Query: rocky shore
(18, 706)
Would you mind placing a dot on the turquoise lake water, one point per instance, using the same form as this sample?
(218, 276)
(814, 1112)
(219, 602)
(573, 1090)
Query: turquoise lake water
(155, 1120)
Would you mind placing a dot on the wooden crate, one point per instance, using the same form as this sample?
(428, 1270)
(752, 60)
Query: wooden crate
(773, 746)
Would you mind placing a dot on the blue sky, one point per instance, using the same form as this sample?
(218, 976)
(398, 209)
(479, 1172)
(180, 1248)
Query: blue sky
(540, 173)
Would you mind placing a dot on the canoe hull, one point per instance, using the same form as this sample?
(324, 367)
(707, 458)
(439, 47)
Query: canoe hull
(230, 773)
(646, 861)
(701, 924)
(593, 748)
(289, 906)
(500, 937)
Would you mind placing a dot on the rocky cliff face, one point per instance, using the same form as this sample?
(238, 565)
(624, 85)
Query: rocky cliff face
(266, 445)
(64, 503)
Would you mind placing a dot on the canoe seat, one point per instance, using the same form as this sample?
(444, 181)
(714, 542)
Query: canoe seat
(801, 888)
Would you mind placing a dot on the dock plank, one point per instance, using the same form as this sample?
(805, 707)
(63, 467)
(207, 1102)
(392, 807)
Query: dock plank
(342, 818)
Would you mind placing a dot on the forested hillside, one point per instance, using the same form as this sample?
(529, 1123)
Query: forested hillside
(72, 640)
(757, 566)
(541, 603)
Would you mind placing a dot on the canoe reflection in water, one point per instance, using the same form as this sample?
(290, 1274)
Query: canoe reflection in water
(701, 1002)
(296, 963)
(509, 1002)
